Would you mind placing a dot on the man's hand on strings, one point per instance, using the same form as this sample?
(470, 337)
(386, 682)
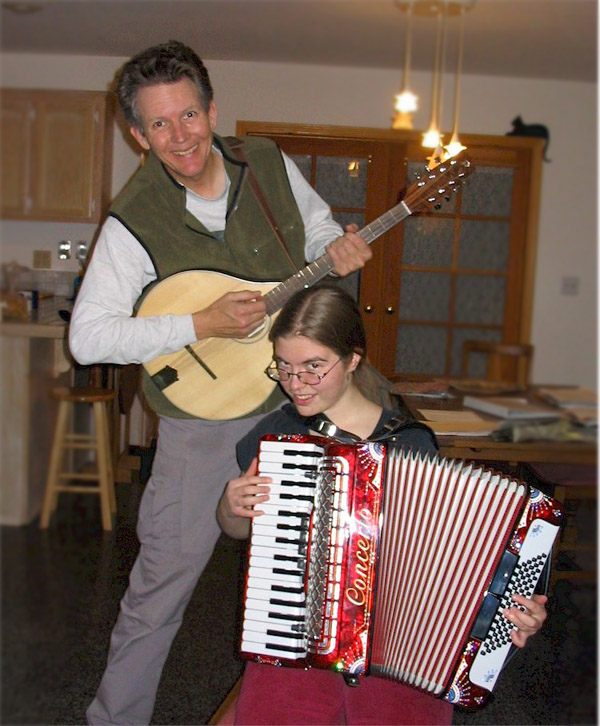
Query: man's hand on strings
(234, 315)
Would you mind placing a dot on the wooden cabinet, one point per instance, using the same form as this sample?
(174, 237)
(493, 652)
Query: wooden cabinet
(465, 270)
(56, 155)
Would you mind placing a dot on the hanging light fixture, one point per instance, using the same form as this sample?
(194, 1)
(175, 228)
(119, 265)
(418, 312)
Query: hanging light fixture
(406, 102)
(455, 147)
(432, 138)
(441, 10)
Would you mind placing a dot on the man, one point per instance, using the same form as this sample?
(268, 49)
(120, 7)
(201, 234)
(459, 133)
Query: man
(190, 206)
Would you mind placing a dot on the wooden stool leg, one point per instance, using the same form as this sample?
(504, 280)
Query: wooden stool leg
(56, 457)
(103, 463)
(110, 462)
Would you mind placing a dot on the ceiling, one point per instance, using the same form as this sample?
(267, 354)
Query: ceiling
(553, 39)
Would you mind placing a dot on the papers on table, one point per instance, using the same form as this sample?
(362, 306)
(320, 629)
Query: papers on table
(571, 397)
(457, 423)
(579, 404)
(511, 408)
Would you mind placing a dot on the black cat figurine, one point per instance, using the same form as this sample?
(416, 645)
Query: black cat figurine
(539, 130)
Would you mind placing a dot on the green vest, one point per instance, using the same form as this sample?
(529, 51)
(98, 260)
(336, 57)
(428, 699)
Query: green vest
(152, 208)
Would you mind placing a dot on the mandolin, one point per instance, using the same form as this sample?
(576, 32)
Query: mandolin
(223, 378)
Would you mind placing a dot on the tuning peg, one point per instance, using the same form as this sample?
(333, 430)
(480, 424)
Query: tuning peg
(437, 206)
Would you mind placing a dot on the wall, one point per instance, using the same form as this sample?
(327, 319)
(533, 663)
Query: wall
(564, 327)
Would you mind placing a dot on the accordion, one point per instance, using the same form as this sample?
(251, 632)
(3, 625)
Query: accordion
(390, 563)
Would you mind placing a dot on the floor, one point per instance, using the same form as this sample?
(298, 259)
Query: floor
(60, 596)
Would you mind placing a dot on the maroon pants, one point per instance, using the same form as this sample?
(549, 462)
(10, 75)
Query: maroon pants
(271, 695)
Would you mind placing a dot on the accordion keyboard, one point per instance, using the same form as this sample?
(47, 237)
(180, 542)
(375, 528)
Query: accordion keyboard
(275, 613)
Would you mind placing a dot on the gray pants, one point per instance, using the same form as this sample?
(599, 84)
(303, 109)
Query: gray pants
(178, 530)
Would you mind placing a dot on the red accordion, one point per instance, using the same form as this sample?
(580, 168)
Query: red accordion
(391, 563)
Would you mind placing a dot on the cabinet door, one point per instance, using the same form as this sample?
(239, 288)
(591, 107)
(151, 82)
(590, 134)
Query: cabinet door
(15, 147)
(65, 139)
(59, 165)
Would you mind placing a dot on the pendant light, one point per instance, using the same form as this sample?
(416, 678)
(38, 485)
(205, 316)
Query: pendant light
(406, 103)
(455, 147)
(432, 138)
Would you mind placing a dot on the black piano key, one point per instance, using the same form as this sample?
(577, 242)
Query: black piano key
(284, 603)
(295, 483)
(283, 616)
(300, 540)
(283, 571)
(300, 561)
(284, 648)
(286, 634)
(290, 513)
(301, 453)
(297, 497)
(285, 588)
(293, 527)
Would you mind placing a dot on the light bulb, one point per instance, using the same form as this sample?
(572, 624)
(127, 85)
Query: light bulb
(406, 102)
(454, 147)
(432, 138)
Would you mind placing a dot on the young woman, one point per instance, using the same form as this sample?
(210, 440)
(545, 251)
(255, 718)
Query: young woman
(319, 352)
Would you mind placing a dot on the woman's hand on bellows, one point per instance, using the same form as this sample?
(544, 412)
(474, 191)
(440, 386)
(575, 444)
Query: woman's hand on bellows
(527, 622)
(243, 494)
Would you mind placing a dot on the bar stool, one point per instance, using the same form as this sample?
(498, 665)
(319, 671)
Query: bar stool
(58, 478)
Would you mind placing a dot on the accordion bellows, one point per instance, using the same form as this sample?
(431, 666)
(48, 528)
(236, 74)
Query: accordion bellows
(391, 563)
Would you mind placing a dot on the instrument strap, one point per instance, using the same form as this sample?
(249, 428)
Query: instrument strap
(235, 146)
(324, 426)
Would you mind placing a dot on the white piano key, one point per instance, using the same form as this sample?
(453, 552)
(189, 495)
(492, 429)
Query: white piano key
(288, 511)
(286, 490)
(259, 573)
(279, 446)
(274, 528)
(265, 606)
(293, 564)
(254, 592)
(276, 639)
(262, 540)
(267, 620)
(274, 505)
(261, 649)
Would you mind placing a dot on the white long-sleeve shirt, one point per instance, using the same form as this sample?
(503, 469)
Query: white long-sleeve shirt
(103, 329)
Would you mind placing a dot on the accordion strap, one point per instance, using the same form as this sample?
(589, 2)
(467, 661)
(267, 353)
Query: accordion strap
(324, 426)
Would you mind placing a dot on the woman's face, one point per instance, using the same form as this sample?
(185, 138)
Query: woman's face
(294, 354)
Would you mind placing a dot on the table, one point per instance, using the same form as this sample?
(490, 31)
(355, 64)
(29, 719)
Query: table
(484, 448)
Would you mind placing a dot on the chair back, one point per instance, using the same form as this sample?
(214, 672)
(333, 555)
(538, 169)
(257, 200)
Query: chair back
(504, 361)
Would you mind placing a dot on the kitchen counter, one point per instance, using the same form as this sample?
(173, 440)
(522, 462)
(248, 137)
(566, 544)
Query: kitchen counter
(45, 322)
(34, 359)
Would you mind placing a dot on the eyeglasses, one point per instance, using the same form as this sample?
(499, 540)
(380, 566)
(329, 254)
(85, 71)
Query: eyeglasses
(309, 377)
